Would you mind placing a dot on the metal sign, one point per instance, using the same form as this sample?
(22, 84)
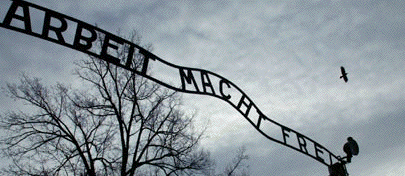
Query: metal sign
(70, 32)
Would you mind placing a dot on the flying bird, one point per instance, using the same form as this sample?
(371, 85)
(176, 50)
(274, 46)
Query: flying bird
(344, 74)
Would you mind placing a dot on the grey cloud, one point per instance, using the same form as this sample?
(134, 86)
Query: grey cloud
(284, 54)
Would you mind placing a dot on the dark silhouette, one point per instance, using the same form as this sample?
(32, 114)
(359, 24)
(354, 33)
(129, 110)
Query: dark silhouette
(121, 124)
(237, 166)
(98, 46)
(338, 169)
(344, 74)
(350, 148)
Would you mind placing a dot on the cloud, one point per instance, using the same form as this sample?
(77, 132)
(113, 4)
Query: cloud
(285, 55)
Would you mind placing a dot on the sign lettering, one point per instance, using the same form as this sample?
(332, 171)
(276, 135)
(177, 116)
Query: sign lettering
(56, 28)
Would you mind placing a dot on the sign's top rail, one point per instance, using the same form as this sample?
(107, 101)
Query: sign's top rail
(189, 80)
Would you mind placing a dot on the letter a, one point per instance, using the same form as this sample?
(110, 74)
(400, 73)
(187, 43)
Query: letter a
(12, 14)
(206, 82)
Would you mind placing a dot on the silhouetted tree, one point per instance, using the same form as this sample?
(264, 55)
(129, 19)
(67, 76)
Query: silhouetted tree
(117, 123)
(237, 166)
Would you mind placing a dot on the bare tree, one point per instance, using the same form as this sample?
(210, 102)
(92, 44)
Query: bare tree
(237, 166)
(119, 123)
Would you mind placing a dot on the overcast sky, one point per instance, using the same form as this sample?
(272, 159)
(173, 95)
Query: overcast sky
(285, 55)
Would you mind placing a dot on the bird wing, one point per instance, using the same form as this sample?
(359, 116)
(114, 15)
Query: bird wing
(345, 78)
(343, 70)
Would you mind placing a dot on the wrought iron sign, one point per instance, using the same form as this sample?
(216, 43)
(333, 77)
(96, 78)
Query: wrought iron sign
(70, 32)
